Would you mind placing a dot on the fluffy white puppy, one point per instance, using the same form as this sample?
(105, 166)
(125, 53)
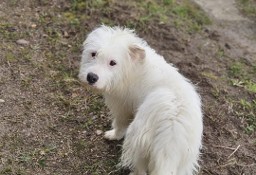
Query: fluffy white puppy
(152, 104)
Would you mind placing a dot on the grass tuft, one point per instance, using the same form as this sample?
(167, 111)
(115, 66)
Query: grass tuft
(248, 7)
(248, 113)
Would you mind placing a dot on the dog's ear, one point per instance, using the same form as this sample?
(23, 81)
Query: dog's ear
(136, 52)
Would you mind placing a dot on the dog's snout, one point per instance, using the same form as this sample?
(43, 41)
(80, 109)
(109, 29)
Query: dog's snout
(92, 78)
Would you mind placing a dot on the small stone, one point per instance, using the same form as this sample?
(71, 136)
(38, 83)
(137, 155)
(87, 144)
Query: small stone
(22, 42)
(42, 152)
(66, 35)
(44, 35)
(33, 25)
(74, 95)
(99, 132)
(2, 101)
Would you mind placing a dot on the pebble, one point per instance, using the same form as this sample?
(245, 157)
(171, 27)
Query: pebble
(66, 35)
(22, 42)
(42, 152)
(2, 101)
(33, 25)
(99, 132)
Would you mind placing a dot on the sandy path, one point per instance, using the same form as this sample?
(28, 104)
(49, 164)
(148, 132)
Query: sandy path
(221, 10)
(230, 24)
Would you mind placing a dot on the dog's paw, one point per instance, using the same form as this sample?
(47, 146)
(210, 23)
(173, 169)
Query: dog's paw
(111, 135)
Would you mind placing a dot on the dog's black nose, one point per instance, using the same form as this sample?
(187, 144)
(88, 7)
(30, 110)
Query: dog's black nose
(92, 78)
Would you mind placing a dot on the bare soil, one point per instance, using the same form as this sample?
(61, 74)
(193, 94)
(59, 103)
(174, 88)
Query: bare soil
(51, 124)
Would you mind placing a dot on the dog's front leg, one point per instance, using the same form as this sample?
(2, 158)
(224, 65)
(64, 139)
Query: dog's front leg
(121, 120)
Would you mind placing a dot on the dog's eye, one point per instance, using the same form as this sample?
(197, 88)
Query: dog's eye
(93, 54)
(112, 63)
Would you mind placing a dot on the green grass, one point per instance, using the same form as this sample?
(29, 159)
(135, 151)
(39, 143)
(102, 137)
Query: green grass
(243, 75)
(220, 53)
(23, 158)
(250, 86)
(236, 70)
(182, 14)
(209, 75)
(248, 113)
(248, 7)
(72, 18)
(10, 57)
(192, 15)
(9, 31)
(81, 5)
(216, 92)
(37, 157)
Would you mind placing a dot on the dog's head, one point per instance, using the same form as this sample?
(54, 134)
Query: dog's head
(110, 57)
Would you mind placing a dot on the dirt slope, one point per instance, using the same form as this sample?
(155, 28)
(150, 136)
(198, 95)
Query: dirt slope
(50, 124)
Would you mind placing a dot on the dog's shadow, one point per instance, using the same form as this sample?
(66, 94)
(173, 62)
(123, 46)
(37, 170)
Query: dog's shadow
(115, 148)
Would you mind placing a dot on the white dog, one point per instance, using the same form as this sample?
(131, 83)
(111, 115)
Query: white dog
(153, 106)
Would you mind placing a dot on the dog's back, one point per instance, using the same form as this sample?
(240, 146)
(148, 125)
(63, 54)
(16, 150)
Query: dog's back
(164, 137)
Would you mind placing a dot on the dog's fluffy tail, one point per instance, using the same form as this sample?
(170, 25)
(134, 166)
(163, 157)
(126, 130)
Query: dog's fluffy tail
(164, 137)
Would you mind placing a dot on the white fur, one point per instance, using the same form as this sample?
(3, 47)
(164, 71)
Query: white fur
(153, 106)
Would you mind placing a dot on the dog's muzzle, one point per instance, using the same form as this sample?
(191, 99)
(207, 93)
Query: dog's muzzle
(92, 78)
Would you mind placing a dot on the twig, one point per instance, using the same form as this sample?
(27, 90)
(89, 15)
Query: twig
(114, 171)
(217, 146)
(230, 162)
(8, 63)
(234, 151)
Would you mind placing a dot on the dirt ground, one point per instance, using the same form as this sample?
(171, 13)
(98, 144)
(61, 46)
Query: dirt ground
(51, 124)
